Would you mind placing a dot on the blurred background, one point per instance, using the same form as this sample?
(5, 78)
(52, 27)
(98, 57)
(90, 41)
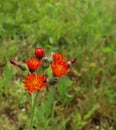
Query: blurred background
(82, 29)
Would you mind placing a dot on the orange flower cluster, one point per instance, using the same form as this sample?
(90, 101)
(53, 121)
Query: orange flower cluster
(35, 82)
(59, 66)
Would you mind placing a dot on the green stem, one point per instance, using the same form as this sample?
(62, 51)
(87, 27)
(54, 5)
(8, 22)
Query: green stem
(33, 110)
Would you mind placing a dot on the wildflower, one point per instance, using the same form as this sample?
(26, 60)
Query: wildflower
(39, 52)
(60, 68)
(33, 64)
(57, 57)
(34, 82)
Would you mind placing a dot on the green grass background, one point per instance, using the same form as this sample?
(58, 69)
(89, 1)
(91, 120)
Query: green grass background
(82, 29)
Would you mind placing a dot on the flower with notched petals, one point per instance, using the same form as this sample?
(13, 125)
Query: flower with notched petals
(60, 68)
(33, 64)
(34, 82)
(57, 57)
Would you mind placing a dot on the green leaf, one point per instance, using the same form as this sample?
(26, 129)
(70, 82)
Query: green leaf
(107, 50)
(7, 75)
(91, 111)
(63, 86)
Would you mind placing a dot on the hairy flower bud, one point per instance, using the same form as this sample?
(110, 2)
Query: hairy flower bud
(23, 67)
(39, 52)
(71, 62)
(18, 64)
(53, 80)
(45, 62)
(14, 62)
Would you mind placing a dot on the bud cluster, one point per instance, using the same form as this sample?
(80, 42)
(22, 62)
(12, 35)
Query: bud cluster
(34, 81)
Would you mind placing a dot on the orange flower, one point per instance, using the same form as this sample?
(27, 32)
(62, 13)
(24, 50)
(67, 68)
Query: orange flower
(33, 64)
(60, 68)
(57, 57)
(35, 82)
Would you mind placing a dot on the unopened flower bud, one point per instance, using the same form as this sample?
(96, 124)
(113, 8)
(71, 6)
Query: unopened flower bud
(50, 60)
(14, 62)
(45, 62)
(39, 53)
(71, 62)
(53, 80)
(22, 66)
(52, 53)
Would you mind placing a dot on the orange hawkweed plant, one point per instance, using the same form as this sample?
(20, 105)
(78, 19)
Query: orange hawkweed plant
(34, 81)
(57, 57)
(60, 68)
(33, 64)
